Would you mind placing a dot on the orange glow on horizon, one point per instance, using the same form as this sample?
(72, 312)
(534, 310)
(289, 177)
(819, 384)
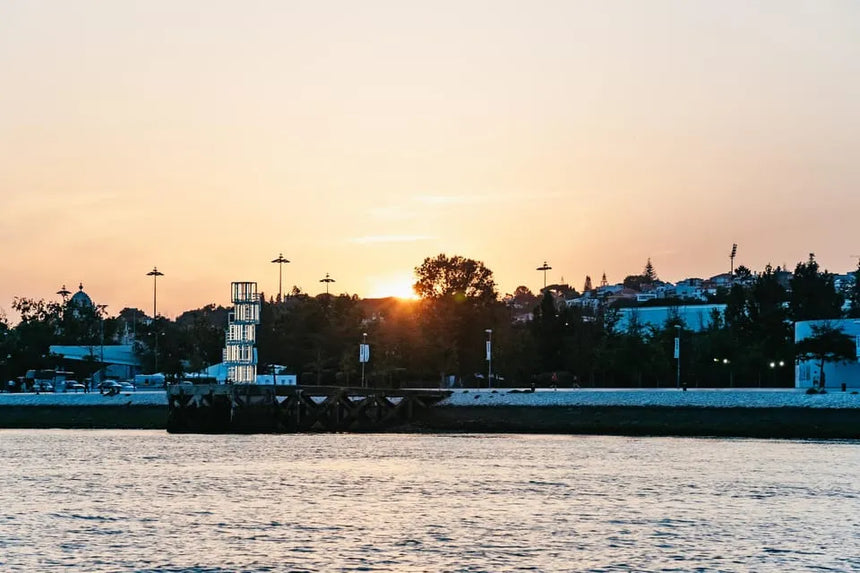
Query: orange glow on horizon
(399, 286)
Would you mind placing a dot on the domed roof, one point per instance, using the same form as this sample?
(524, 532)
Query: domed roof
(81, 298)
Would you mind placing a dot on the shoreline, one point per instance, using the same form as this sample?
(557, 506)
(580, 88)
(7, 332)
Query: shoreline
(785, 413)
(772, 423)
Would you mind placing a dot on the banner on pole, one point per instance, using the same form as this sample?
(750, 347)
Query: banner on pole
(677, 347)
(489, 349)
(363, 352)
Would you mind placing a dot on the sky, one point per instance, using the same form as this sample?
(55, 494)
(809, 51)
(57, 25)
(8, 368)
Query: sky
(358, 138)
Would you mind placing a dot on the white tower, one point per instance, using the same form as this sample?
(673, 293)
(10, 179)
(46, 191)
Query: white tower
(240, 356)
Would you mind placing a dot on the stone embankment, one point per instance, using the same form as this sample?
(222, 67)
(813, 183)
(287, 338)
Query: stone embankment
(769, 413)
(126, 410)
(783, 413)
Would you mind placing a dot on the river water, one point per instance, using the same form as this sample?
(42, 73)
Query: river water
(152, 502)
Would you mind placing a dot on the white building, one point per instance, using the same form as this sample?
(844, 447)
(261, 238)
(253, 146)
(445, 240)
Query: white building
(118, 360)
(808, 372)
(696, 317)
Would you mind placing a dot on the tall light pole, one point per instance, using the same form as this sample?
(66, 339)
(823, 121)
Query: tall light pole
(544, 268)
(155, 273)
(678, 354)
(280, 260)
(489, 332)
(732, 259)
(327, 280)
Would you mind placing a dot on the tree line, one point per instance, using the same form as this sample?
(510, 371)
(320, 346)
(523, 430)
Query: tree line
(442, 336)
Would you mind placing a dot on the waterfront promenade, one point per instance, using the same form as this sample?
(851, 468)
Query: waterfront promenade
(541, 397)
(765, 413)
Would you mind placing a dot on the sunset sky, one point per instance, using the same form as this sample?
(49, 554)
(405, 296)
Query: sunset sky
(358, 138)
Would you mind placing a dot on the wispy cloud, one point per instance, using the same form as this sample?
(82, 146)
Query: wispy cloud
(455, 199)
(444, 200)
(391, 239)
(392, 213)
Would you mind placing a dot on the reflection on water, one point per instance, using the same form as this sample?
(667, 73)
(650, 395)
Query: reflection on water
(148, 501)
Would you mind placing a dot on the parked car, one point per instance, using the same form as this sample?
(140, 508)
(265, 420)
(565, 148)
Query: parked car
(72, 386)
(109, 387)
(42, 386)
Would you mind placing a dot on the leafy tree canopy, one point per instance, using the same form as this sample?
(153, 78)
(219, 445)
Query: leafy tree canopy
(649, 274)
(455, 277)
(827, 343)
(813, 294)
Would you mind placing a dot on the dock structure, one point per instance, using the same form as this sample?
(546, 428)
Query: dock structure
(257, 408)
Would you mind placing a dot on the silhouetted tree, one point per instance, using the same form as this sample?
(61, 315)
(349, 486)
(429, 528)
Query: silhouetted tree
(649, 274)
(813, 294)
(742, 273)
(827, 343)
(457, 296)
(854, 294)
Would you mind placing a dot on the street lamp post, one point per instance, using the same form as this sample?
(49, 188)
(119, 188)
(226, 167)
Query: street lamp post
(101, 308)
(489, 332)
(727, 362)
(327, 280)
(155, 273)
(545, 267)
(64, 292)
(363, 355)
(678, 354)
(280, 260)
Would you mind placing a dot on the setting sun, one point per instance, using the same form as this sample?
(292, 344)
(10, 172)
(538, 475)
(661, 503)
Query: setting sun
(393, 285)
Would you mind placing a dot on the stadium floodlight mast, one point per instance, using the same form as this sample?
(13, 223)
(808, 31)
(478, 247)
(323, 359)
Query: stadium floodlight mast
(732, 259)
(327, 280)
(544, 268)
(280, 260)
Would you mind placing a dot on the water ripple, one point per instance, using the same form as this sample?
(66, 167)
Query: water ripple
(150, 502)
